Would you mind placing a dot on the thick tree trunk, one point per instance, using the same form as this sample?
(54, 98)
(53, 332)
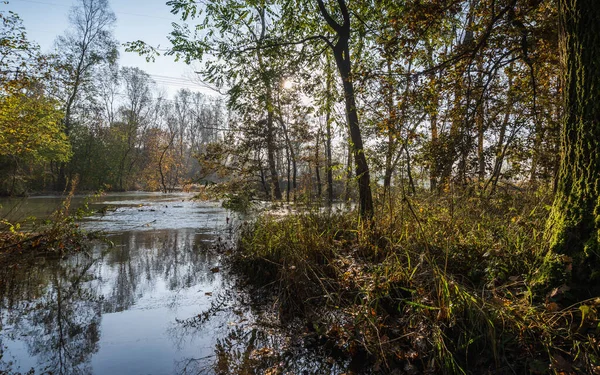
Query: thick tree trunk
(574, 224)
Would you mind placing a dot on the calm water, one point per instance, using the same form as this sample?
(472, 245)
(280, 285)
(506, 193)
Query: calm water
(115, 309)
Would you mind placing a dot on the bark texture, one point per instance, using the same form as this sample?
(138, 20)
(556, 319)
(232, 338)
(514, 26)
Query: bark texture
(574, 224)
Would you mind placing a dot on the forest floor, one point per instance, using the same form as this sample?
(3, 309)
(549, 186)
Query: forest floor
(434, 284)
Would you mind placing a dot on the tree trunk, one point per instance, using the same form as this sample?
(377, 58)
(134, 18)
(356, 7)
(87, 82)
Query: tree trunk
(348, 170)
(263, 180)
(328, 121)
(500, 147)
(390, 128)
(318, 166)
(411, 182)
(574, 224)
(479, 119)
(267, 81)
(448, 150)
(291, 155)
(342, 58)
(341, 53)
(289, 175)
(276, 191)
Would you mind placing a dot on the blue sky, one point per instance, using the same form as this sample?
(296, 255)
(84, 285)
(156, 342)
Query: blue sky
(148, 20)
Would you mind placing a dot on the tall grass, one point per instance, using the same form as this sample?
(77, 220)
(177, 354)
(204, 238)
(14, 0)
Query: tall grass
(433, 284)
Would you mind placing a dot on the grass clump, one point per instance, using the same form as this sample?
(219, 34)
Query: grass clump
(430, 286)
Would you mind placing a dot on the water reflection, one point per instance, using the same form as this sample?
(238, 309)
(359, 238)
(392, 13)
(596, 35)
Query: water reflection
(51, 308)
(156, 302)
(111, 310)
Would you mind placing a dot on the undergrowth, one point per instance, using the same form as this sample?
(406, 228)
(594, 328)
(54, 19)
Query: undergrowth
(57, 235)
(432, 285)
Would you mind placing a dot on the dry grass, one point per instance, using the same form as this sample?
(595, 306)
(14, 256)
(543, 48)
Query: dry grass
(432, 285)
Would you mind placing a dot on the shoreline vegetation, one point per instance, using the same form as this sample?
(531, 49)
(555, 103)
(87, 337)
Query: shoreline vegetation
(450, 283)
(59, 234)
(433, 284)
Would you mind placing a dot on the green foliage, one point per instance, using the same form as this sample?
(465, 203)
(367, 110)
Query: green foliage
(241, 202)
(31, 133)
(31, 129)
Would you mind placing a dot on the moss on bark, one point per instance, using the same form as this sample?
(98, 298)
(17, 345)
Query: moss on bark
(574, 224)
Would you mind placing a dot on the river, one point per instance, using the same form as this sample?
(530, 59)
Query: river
(121, 306)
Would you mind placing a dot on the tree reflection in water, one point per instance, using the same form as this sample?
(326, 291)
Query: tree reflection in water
(52, 306)
(254, 342)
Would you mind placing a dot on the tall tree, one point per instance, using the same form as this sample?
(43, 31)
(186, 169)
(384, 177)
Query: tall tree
(87, 43)
(235, 32)
(135, 112)
(341, 54)
(84, 46)
(574, 225)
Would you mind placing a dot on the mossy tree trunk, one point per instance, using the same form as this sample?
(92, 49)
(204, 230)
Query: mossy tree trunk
(574, 224)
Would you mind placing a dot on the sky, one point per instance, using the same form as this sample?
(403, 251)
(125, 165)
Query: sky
(147, 20)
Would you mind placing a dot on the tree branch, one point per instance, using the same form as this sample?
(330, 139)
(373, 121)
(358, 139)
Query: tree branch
(330, 21)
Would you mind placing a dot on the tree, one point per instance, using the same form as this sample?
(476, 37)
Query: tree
(87, 44)
(341, 54)
(574, 224)
(30, 133)
(235, 34)
(135, 114)
(16, 51)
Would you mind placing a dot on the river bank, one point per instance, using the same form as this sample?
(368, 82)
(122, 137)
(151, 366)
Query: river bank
(430, 286)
